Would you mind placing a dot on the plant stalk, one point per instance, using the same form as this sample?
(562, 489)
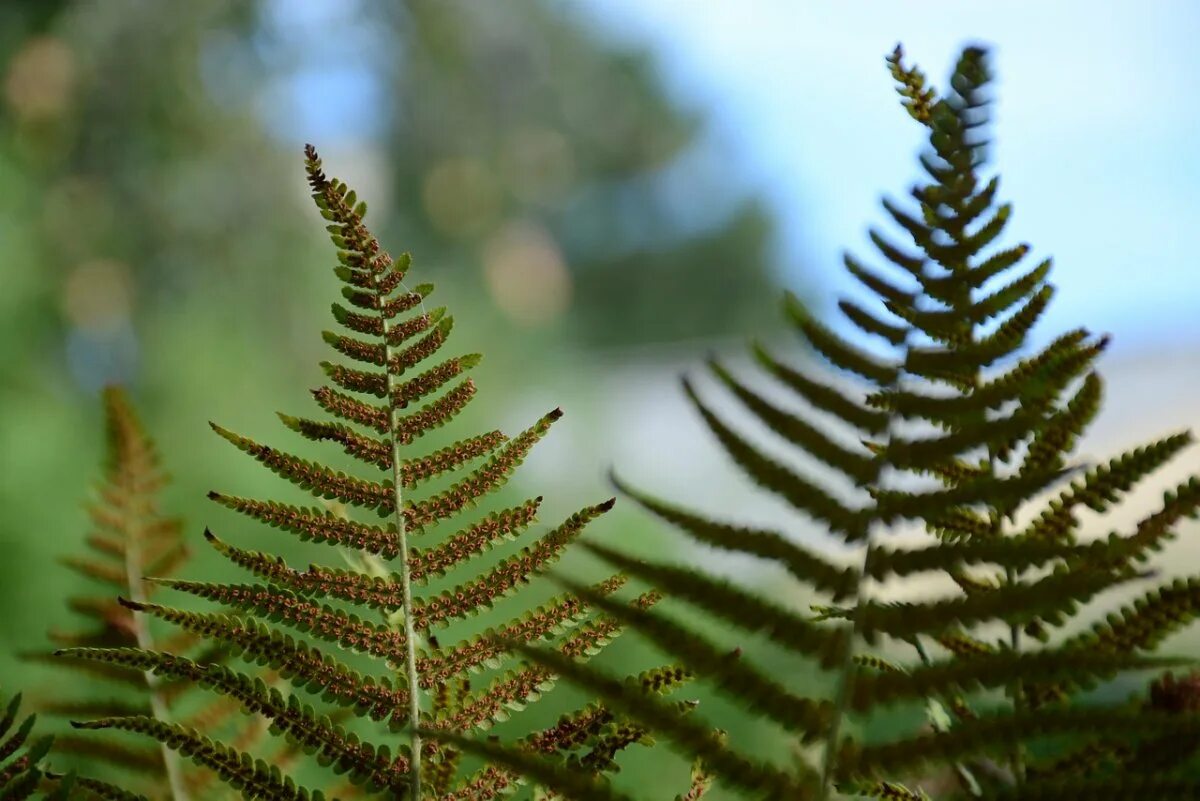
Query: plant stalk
(845, 682)
(158, 705)
(1018, 691)
(410, 638)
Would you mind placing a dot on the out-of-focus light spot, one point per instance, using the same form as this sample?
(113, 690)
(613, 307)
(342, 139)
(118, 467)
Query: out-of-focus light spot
(98, 296)
(526, 274)
(40, 79)
(461, 197)
(537, 165)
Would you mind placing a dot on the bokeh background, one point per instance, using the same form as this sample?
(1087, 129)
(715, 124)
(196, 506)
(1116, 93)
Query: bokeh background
(603, 190)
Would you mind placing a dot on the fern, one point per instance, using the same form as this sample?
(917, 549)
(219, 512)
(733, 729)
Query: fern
(130, 539)
(21, 756)
(304, 624)
(24, 769)
(961, 433)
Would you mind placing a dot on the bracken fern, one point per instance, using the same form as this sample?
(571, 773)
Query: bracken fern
(397, 393)
(958, 434)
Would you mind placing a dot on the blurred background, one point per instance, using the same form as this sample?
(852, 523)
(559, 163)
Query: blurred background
(604, 192)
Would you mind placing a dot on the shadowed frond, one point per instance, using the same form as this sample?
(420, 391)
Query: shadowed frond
(959, 431)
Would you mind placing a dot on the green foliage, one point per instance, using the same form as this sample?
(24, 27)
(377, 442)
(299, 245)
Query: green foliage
(351, 718)
(962, 433)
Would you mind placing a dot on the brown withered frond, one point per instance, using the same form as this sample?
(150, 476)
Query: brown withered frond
(130, 539)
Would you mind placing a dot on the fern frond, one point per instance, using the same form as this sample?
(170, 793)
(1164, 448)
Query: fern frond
(805, 565)
(132, 538)
(948, 397)
(725, 669)
(796, 490)
(254, 778)
(21, 768)
(732, 604)
(288, 621)
(692, 736)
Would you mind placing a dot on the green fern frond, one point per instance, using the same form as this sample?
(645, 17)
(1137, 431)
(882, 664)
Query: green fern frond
(302, 624)
(254, 778)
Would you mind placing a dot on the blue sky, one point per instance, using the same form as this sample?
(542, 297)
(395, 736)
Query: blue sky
(1097, 128)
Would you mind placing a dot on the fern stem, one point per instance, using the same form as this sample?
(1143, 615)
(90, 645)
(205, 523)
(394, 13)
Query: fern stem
(158, 705)
(1018, 690)
(410, 635)
(845, 681)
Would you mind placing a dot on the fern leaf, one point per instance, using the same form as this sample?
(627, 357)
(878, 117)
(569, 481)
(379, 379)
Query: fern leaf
(280, 606)
(1100, 486)
(471, 541)
(797, 491)
(690, 735)
(315, 525)
(984, 417)
(734, 605)
(822, 396)
(579, 786)
(320, 481)
(729, 673)
(254, 778)
(800, 562)
(858, 466)
(394, 358)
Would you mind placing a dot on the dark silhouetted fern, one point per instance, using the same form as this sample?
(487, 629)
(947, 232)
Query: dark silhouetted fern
(312, 625)
(960, 433)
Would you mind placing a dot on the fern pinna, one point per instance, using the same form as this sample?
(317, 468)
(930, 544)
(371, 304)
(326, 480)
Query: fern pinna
(427, 687)
(958, 433)
(131, 538)
(22, 766)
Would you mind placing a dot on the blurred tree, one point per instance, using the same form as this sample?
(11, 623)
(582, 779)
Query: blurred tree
(133, 198)
(553, 160)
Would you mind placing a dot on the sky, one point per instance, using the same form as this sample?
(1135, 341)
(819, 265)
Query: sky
(1096, 132)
